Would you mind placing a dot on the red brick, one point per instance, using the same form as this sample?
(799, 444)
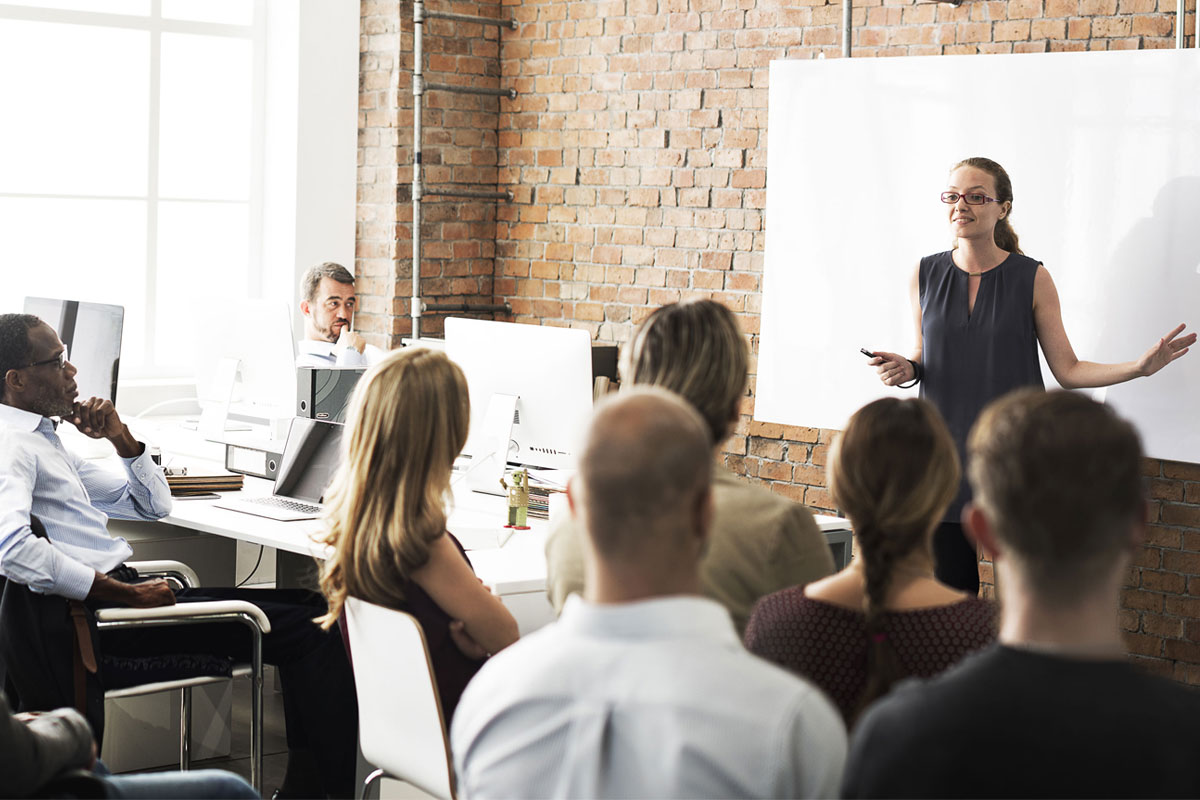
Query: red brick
(1169, 582)
(1143, 645)
(789, 491)
(809, 475)
(1181, 471)
(1015, 30)
(767, 430)
(1141, 600)
(1078, 29)
(775, 471)
(1181, 562)
(819, 499)
(1182, 651)
(1164, 489)
(1159, 536)
(766, 448)
(1149, 557)
(1155, 625)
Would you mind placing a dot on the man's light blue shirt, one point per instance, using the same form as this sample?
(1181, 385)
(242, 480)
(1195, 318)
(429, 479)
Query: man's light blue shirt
(74, 498)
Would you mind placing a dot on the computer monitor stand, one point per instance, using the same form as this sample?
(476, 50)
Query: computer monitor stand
(491, 453)
(213, 414)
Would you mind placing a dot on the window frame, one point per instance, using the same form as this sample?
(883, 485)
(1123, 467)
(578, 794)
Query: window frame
(156, 26)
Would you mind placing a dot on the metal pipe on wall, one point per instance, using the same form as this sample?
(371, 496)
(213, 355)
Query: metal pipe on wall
(417, 307)
(414, 308)
(848, 26)
(1180, 22)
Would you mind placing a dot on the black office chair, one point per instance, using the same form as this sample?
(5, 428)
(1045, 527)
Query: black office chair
(50, 647)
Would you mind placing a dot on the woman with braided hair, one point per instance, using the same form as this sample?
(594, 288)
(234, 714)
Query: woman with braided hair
(892, 471)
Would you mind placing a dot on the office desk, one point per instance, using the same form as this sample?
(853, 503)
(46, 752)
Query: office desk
(516, 572)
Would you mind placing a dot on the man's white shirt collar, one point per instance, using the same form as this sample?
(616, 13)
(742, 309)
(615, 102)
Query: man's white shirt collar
(316, 347)
(672, 617)
(19, 419)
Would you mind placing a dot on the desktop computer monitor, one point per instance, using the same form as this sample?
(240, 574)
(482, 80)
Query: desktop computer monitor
(548, 369)
(257, 335)
(92, 334)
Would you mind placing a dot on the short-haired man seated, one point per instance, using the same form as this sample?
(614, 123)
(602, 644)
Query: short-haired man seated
(74, 498)
(328, 302)
(53, 754)
(642, 688)
(1055, 709)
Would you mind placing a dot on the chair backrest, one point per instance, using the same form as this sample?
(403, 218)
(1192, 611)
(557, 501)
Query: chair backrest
(38, 645)
(400, 724)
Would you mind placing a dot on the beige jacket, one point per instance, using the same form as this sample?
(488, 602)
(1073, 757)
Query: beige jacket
(760, 543)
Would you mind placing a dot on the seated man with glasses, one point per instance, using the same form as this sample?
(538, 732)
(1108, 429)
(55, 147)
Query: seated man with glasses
(79, 560)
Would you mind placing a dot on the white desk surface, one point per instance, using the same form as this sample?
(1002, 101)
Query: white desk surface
(520, 565)
(517, 566)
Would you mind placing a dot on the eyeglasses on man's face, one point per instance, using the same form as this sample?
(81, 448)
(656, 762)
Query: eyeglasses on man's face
(972, 198)
(60, 360)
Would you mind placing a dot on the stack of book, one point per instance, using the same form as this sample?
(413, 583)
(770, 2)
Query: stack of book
(539, 501)
(185, 485)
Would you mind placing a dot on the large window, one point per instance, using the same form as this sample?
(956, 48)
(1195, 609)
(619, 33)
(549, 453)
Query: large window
(130, 162)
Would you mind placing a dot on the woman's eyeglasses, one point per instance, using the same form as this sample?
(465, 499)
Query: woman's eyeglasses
(972, 198)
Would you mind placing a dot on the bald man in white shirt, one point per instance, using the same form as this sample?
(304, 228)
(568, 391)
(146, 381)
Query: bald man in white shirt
(642, 688)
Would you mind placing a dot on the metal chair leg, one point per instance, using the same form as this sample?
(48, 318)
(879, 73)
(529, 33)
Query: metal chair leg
(185, 728)
(256, 713)
(366, 787)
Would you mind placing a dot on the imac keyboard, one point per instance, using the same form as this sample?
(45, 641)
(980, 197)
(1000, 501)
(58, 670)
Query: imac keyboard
(283, 502)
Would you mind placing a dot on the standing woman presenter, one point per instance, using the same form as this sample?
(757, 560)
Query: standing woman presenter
(981, 310)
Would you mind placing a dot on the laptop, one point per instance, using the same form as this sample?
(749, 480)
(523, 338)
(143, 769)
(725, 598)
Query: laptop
(311, 455)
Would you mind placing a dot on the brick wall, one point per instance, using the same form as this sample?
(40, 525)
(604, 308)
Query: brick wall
(459, 150)
(637, 152)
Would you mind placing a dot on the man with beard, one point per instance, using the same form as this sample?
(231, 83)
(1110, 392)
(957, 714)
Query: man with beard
(328, 304)
(79, 560)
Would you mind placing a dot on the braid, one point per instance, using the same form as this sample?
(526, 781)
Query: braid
(880, 553)
(892, 471)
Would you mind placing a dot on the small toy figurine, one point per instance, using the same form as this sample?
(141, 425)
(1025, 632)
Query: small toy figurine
(518, 500)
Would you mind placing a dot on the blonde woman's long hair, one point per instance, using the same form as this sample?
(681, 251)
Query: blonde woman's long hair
(387, 504)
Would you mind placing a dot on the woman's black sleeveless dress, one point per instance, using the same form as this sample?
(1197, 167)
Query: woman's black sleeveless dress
(970, 360)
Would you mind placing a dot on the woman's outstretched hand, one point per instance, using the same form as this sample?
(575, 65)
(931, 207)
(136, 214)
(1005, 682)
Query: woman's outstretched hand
(1164, 351)
(893, 368)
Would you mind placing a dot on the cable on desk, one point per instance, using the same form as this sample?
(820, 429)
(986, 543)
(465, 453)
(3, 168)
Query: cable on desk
(254, 569)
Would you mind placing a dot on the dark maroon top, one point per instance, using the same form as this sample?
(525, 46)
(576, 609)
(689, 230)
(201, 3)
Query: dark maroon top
(451, 668)
(827, 644)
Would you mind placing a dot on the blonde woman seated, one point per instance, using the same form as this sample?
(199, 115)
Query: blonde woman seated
(893, 472)
(387, 516)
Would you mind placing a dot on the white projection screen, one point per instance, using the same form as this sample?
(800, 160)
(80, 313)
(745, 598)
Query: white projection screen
(1104, 154)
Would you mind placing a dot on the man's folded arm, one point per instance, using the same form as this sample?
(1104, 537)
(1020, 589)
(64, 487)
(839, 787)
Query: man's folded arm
(140, 493)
